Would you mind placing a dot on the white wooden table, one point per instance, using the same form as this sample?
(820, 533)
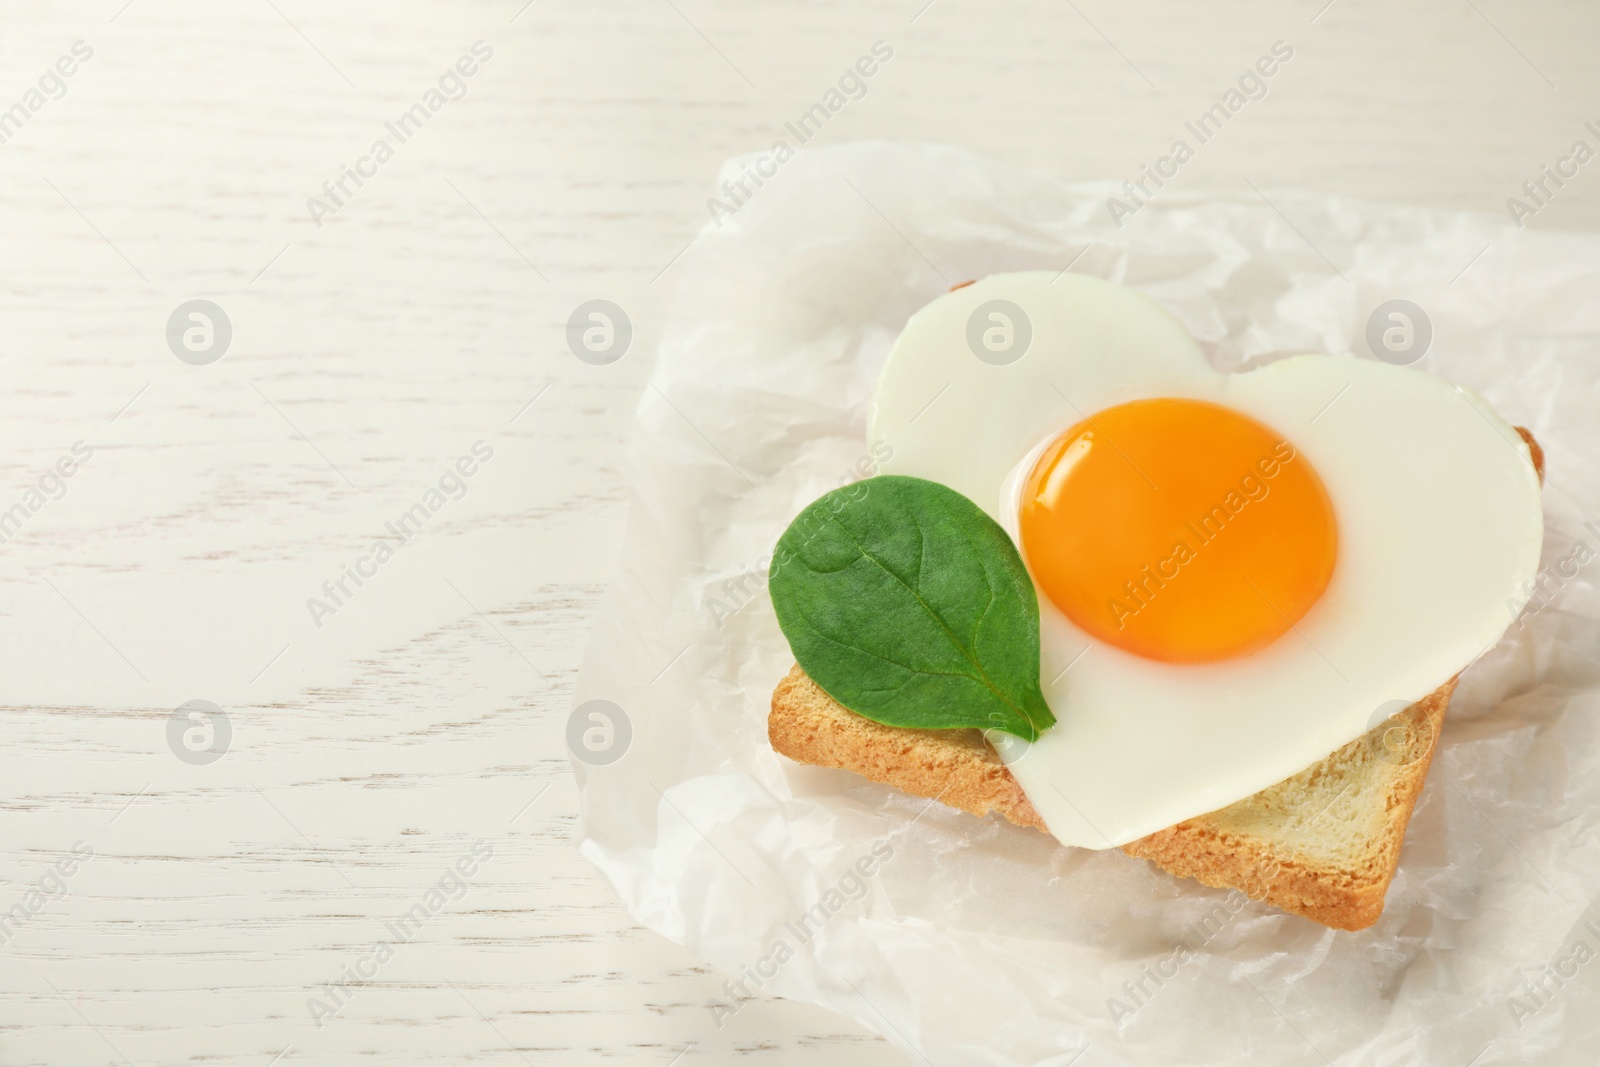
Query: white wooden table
(372, 744)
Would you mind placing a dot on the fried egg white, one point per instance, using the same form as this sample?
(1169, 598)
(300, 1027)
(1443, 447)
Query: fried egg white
(1334, 535)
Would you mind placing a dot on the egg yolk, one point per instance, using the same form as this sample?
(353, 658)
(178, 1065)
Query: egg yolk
(1178, 530)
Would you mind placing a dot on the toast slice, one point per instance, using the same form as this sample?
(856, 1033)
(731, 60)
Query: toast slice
(1323, 843)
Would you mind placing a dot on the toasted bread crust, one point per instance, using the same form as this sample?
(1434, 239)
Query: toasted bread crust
(1345, 898)
(958, 768)
(1251, 845)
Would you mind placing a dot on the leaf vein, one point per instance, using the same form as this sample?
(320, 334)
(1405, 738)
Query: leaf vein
(979, 674)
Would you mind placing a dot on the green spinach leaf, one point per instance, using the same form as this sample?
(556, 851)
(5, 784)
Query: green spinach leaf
(910, 606)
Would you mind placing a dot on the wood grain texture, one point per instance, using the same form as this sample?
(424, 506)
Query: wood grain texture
(428, 313)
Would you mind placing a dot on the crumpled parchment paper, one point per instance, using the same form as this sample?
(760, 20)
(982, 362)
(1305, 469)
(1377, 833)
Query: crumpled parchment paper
(975, 942)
